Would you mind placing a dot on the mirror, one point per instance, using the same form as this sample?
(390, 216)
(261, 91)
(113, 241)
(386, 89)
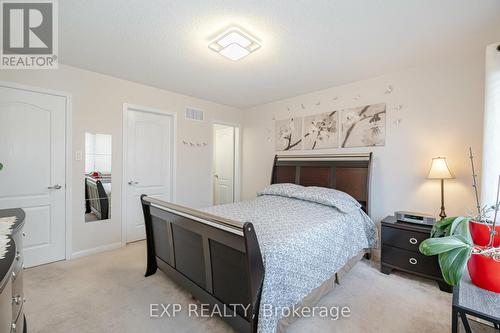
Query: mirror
(97, 177)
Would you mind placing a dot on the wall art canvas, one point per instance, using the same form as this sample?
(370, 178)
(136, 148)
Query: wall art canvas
(363, 126)
(289, 134)
(321, 131)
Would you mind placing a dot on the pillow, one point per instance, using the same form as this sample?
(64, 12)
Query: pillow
(331, 197)
(321, 195)
(283, 190)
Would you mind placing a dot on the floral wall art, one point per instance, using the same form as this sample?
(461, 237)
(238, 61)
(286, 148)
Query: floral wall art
(363, 126)
(289, 134)
(321, 131)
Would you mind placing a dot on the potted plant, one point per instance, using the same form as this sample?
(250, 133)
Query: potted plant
(468, 240)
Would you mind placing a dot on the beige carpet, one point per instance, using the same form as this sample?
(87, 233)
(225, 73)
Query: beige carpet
(108, 293)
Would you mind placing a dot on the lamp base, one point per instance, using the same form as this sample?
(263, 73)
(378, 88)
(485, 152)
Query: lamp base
(442, 214)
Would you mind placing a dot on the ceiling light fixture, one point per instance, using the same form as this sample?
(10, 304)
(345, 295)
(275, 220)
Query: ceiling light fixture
(234, 44)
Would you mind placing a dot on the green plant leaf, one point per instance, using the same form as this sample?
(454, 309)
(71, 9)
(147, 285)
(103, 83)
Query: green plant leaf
(433, 246)
(442, 227)
(466, 239)
(461, 227)
(455, 223)
(453, 263)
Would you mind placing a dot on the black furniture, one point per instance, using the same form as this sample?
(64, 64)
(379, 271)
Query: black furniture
(97, 201)
(219, 260)
(216, 259)
(349, 173)
(469, 299)
(12, 317)
(400, 242)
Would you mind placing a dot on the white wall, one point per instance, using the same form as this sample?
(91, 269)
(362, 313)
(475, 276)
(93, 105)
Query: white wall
(491, 157)
(97, 108)
(442, 112)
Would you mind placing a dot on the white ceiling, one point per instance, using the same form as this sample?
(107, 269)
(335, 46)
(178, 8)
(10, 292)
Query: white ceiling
(306, 45)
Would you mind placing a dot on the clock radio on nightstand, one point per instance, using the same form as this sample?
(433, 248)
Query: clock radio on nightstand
(418, 218)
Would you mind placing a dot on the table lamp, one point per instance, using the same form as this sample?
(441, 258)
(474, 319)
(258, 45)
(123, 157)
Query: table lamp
(439, 170)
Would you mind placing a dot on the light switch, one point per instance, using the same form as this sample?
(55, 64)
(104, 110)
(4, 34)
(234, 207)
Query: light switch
(78, 155)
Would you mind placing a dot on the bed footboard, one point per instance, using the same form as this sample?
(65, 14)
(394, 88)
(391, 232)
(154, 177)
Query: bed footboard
(216, 259)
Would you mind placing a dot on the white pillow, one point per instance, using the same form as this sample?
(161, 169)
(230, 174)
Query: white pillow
(321, 195)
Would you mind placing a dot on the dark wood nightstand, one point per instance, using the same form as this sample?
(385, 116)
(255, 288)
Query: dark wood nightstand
(400, 242)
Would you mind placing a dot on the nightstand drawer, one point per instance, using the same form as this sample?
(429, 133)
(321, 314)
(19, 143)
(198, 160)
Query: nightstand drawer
(404, 239)
(410, 261)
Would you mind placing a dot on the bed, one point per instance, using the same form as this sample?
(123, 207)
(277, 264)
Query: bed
(97, 196)
(287, 247)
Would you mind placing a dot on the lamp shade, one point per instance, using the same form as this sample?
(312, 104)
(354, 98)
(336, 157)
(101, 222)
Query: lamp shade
(439, 169)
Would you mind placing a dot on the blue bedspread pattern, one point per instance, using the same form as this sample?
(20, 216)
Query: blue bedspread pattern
(303, 244)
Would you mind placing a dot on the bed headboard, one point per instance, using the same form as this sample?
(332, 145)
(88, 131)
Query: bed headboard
(348, 172)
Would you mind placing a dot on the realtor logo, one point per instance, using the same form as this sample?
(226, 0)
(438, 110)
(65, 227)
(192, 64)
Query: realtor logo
(29, 34)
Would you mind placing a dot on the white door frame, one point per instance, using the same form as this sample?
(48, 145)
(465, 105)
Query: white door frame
(237, 160)
(126, 108)
(68, 157)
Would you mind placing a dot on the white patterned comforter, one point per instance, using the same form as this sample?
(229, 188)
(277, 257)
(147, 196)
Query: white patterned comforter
(303, 244)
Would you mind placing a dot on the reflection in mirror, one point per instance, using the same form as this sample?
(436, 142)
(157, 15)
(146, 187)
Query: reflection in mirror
(97, 177)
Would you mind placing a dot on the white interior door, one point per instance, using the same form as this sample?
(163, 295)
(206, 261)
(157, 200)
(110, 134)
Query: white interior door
(224, 163)
(33, 177)
(149, 165)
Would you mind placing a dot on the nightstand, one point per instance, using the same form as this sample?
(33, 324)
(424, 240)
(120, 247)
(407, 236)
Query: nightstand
(400, 242)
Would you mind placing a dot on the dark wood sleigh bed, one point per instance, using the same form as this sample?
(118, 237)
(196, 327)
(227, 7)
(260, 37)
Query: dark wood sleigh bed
(219, 260)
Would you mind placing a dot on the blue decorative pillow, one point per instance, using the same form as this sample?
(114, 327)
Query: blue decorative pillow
(331, 197)
(283, 190)
(321, 195)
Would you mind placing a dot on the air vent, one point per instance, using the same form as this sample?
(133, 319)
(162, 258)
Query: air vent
(194, 114)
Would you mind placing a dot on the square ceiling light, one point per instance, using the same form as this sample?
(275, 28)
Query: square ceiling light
(234, 44)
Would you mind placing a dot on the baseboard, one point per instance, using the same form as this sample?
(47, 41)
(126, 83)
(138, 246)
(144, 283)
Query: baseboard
(95, 250)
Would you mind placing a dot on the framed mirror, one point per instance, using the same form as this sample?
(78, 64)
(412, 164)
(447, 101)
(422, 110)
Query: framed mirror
(97, 177)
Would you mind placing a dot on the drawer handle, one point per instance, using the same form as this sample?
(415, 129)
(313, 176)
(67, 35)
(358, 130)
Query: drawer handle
(413, 241)
(413, 261)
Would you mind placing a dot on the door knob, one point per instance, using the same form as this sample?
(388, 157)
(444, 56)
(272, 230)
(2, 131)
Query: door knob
(17, 299)
(55, 187)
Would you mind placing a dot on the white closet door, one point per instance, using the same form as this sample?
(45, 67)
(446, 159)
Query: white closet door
(32, 152)
(149, 165)
(224, 147)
